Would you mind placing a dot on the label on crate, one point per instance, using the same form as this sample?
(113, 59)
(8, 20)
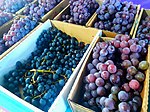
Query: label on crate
(9, 104)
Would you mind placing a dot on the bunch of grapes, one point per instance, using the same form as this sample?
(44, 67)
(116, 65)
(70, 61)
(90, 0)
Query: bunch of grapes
(5, 17)
(38, 10)
(13, 6)
(143, 31)
(45, 72)
(116, 16)
(116, 75)
(80, 11)
(18, 30)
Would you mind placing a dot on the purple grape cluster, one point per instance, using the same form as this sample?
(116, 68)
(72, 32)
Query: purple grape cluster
(5, 17)
(18, 30)
(116, 16)
(114, 84)
(143, 31)
(80, 11)
(13, 6)
(38, 10)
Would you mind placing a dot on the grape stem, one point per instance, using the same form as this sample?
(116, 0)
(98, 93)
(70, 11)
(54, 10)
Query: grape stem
(40, 95)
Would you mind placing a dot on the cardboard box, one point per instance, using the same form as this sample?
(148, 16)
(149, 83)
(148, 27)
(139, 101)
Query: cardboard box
(75, 94)
(65, 11)
(24, 49)
(94, 18)
(10, 103)
(6, 28)
(143, 14)
(52, 13)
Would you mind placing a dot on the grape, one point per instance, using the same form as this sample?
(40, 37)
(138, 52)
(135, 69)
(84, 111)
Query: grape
(124, 107)
(105, 110)
(134, 84)
(90, 66)
(132, 70)
(94, 93)
(102, 101)
(135, 61)
(115, 16)
(95, 62)
(142, 32)
(14, 5)
(53, 62)
(115, 79)
(101, 91)
(143, 65)
(112, 68)
(115, 89)
(92, 86)
(39, 9)
(97, 74)
(5, 17)
(80, 11)
(102, 67)
(126, 87)
(14, 35)
(87, 96)
(117, 82)
(91, 102)
(123, 96)
(105, 75)
(91, 78)
(126, 64)
(109, 103)
(99, 82)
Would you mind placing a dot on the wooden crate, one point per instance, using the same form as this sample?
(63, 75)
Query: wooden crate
(94, 18)
(75, 93)
(143, 14)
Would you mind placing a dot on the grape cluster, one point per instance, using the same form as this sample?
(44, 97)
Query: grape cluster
(116, 16)
(18, 30)
(80, 11)
(12, 6)
(143, 31)
(38, 10)
(5, 17)
(116, 75)
(45, 72)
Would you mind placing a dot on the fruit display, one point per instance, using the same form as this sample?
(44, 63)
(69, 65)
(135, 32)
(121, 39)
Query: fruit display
(116, 16)
(115, 75)
(143, 31)
(5, 17)
(12, 6)
(44, 73)
(39, 9)
(80, 11)
(17, 31)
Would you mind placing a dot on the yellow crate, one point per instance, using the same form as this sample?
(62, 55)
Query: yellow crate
(74, 94)
(142, 16)
(94, 18)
